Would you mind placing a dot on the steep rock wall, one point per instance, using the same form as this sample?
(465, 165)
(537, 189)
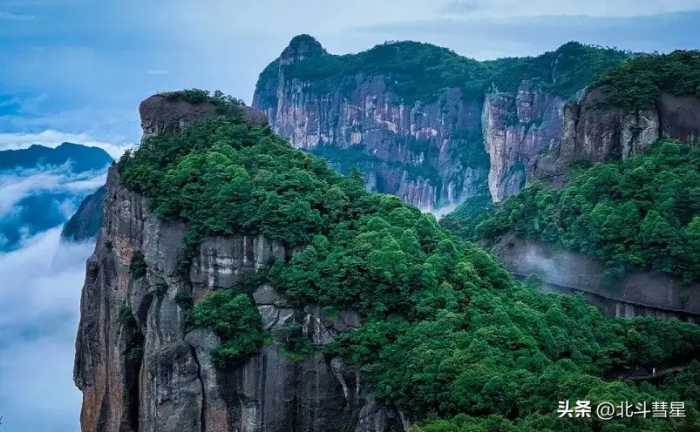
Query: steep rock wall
(595, 131)
(142, 367)
(517, 129)
(438, 152)
(429, 153)
(157, 374)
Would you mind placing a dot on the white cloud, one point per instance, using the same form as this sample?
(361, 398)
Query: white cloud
(18, 185)
(53, 138)
(39, 312)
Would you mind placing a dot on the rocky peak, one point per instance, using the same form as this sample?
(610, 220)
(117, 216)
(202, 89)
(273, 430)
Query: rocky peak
(174, 111)
(301, 47)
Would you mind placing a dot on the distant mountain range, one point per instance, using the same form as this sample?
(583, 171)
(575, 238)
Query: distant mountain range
(41, 187)
(80, 158)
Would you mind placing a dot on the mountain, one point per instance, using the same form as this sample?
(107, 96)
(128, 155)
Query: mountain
(42, 186)
(80, 158)
(614, 212)
(85, 222)
(422, 122)
(437, 129)
(241, 284)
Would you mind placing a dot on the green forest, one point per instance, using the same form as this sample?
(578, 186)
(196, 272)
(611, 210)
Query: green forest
(418, 71)
(637, 83)
(448, 335)
(643, 212)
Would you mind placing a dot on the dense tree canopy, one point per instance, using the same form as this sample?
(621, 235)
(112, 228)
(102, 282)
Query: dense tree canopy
(417, 71)
(642, 212)
(637, 83)
(447, 332)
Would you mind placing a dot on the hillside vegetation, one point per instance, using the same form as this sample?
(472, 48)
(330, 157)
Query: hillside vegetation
(643, 212)
(448, 335)
(638, 82)
(418, 71)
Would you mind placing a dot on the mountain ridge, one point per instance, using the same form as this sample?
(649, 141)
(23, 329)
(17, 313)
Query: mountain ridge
(437, 129)
(81, 158)
(412, 113)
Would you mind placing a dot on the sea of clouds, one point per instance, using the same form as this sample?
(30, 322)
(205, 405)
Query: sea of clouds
(39, 311)
(40, 287)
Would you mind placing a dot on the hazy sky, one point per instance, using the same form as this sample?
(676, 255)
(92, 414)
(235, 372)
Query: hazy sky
(80, 67)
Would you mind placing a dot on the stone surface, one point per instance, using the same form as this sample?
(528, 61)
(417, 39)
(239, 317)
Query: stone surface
(160, 113)
(415, 150)
(437, 153)
(517, 129)
(142, 368)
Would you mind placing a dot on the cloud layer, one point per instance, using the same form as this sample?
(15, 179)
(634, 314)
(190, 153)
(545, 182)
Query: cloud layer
(39, 312)
(18, 185)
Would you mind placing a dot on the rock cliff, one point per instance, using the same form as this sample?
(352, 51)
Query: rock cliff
(141, 365)
(501, 124)
(471, 129)
(518, 128)
(428, 152)
(594, 131)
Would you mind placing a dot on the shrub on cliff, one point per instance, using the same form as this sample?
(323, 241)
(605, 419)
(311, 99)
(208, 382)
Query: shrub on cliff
(138, 266)
(235, 319)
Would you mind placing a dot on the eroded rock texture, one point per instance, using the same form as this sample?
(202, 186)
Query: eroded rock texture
(142, 368)
(440, 151)
(429, 153)
(636, 293)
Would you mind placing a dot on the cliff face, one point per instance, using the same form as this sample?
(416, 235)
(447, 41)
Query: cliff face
(489, 137)
(517, 129)
(429, 153)
(142, 367)
(434, 151)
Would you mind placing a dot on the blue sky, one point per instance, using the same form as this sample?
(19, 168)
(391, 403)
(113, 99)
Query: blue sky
(76, 69)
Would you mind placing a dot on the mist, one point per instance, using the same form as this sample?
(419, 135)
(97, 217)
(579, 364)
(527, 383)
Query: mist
(39, 313)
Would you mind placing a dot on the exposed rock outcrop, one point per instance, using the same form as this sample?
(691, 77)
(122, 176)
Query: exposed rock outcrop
(171, 112)
(143, 368)
(441, 150)
(595, 131)
(518, 129)
(429, 153)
